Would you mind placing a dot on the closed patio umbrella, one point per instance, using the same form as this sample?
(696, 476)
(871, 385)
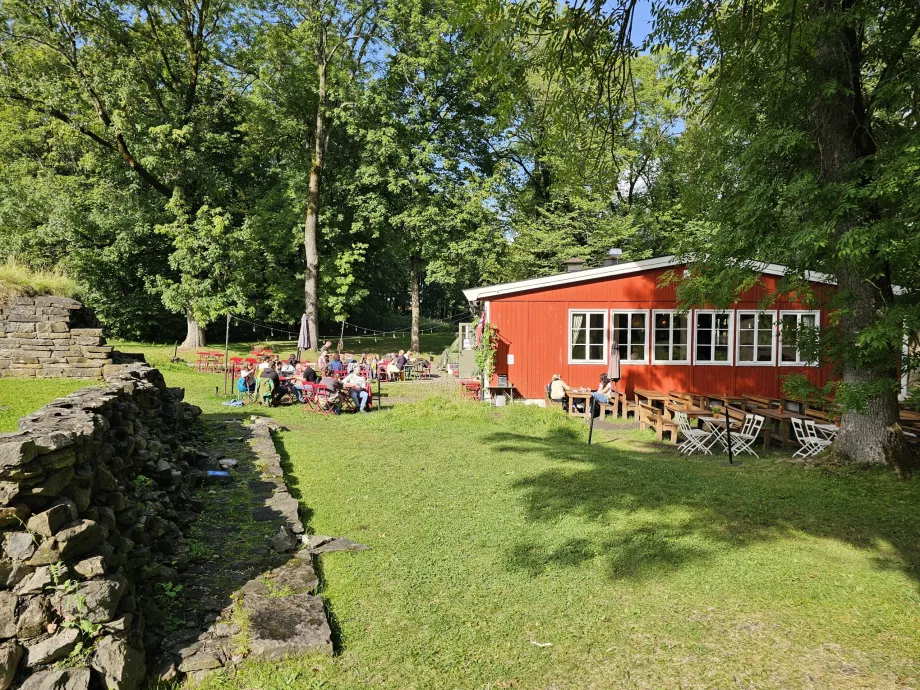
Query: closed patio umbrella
(613, 368)
(303, 340)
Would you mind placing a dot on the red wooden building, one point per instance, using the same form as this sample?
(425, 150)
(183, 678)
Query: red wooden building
(566, 324)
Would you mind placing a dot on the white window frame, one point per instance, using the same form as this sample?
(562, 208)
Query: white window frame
(731, 338)
(671, 313)
(605, 331)
(773, 343)
(779, 336)
(645, 312)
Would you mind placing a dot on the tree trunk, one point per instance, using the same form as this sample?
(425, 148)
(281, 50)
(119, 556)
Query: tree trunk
(311, 223)
(842, 128)
(415, 290)
(194, 337)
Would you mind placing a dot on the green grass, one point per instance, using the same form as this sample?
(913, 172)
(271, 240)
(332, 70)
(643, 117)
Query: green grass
(16, 279)
(506, 553)
(19, 397)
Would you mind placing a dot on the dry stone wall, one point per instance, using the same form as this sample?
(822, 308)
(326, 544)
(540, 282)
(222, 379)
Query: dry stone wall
(50, 337)
(95, 489)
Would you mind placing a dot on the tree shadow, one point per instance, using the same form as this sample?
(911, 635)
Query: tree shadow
(666, 511)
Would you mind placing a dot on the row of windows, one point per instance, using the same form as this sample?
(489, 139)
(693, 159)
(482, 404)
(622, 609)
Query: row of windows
(713, 333)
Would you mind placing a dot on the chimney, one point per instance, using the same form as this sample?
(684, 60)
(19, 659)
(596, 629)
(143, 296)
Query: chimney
(573, 265)
(613, 256)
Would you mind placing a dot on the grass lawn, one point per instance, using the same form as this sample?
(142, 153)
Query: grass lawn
(19, 397)
(506, 553)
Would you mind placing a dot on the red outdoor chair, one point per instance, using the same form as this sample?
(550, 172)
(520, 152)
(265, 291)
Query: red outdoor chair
(203, 361)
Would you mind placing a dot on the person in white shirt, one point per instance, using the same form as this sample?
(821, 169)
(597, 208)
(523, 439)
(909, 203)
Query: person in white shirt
(356, 387)
(265, 363)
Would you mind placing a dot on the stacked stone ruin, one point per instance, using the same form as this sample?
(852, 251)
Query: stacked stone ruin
(94, 491)
(50, 337)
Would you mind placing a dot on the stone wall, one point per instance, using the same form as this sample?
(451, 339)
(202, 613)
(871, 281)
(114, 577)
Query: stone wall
(95, 489)
(50, 337)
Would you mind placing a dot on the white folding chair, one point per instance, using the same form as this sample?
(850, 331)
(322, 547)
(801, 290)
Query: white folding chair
(743, 440)
(807, 436)
(695, 439)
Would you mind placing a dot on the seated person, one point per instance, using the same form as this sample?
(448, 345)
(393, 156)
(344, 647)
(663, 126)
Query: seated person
(604, 390)
(309, 374)
(290, 366)
(265, 363)
(280, 389)
(336, 363)
(355, 386)
(395, 367)
(558, 391)
(333, 391)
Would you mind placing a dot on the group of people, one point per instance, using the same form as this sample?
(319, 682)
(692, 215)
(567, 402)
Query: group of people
(558, 391)
(342, 375)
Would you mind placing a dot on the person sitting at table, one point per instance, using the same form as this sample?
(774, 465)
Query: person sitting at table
(604, 389)
(333, 391)
(356, 385)
(309, 374)
(336, 363)
(289, 367)
(395, 367)
(265, 363)
(272, 373)
(558, 391)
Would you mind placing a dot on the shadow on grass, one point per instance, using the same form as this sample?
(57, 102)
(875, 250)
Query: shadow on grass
(665, 511)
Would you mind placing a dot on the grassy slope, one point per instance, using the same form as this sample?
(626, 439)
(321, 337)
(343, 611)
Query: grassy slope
(494, 533)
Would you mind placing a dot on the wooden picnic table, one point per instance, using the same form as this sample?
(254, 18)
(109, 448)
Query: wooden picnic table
(723, 399)
(777, 421)
(693, 412)
(909, 416)
(579, 395)
(502, 390)
(652, 398)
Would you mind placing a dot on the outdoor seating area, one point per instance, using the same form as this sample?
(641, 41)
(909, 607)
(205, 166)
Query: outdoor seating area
(703, 422)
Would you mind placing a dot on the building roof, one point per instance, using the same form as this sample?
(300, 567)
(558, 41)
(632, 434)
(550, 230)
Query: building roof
(622, 269)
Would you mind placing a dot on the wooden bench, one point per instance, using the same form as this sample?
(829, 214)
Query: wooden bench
(752, 402)
(650, 417)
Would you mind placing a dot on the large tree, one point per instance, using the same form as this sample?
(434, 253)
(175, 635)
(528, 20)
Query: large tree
(140, 83)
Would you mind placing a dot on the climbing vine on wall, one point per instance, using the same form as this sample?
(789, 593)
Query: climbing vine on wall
(485, 352)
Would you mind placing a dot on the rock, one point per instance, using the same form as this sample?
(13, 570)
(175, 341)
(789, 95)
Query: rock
(201, 661)
(16, 449)
(295, 577)
(287, 626)
(60, 679)
(90, 568)
(19, 546)
(43, 578)
(18, 573)
(167, 671)
(13, 515)
(7, 615)
(9, 491)
(95, 601)
(331, 544)
(10, 654)
(77, 539)
(121, 666)
(54, 483)
(34, 619)
(52, 648)
(283, 541)
(49, 522)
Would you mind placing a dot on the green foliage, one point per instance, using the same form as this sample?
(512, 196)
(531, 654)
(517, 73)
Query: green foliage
(485, 352)
(17, 279)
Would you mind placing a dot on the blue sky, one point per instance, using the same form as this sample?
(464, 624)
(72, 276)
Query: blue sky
(642, 23)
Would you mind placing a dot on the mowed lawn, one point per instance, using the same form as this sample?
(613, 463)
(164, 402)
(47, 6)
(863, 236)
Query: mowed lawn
(506, 553)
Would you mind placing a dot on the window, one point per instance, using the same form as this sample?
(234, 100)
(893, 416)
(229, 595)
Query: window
(755, 337)
(792, 326)
(587, 337)
(629, 333)
(670, 344)
(713, 337)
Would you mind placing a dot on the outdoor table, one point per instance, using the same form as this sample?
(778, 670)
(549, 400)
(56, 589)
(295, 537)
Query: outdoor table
(717, 427)
(780, 419)
(723, 400)
(691, 411)
(652, 397)
(502, 390)
(909, 416)
(829, 431)
(579, 395)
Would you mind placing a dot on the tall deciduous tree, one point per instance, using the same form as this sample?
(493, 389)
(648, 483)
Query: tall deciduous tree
(139, 82)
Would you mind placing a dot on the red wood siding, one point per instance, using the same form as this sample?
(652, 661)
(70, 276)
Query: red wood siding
(533, 327)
